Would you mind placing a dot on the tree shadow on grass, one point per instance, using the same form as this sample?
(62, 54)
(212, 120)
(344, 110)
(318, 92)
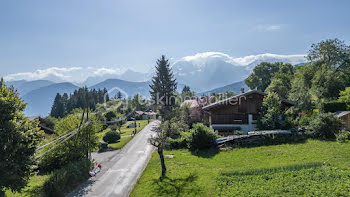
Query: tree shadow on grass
(209, 153)
(295, 167)
(177, 186)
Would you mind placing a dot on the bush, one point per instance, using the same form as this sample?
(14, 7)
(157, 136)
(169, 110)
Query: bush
(110, 115)
(179, 143)
(343, 136)
(67, 178)
(111, 137)
(201, 137)
(325, 126)
(74, 148)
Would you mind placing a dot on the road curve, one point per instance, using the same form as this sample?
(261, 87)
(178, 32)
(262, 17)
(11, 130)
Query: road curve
(120, 173)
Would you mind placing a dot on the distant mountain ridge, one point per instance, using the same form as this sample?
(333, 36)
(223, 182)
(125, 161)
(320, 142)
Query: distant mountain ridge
(39, 101)
(128, 87)
(39, 95)
(23, 86)
(234, 87)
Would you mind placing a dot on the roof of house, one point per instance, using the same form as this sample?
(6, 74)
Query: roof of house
(150, 113)
(192, 103)
(139, 112)
(240, 95)
(341, 113)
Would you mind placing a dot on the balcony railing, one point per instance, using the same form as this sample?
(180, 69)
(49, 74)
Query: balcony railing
(229, 119)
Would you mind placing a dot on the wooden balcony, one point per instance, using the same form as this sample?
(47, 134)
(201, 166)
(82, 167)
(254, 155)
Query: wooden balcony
(229, 119)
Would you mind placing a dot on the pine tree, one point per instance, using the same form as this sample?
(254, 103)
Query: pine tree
(65, 103)
(163, 88)
(57, 109)
(186, 89)
(119, 95)
(18, 140)
(105, 95)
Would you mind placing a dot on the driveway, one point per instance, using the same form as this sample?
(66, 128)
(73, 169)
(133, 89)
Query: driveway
(120, 169)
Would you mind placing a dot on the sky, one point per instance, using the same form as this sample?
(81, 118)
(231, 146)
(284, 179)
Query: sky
(40, 34)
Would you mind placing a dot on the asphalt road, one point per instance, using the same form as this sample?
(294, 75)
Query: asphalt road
(120, 171)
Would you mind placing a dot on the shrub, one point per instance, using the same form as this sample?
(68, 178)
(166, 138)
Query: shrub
(110, 115)
(67, 178)
(201, 137)
(178, 143)
(74, 148)
(343, 136)
(325, 126)
(111, 137)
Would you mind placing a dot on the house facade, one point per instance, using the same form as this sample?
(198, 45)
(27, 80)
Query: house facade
(344, 117)
(141, 115)
(239, 112)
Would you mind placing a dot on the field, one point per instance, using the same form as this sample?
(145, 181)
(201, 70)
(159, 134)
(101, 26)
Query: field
(313, 168)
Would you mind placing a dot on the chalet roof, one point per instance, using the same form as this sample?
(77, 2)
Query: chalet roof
(240, 95)
(139, 113)
(339, 114)
(150, 113)
(192, 103)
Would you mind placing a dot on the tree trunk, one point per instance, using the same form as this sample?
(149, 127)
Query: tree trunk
(160, 152)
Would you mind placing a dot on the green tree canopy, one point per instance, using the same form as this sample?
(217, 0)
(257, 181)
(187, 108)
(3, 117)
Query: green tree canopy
(262, 74)
(272, 114)
(18, 141)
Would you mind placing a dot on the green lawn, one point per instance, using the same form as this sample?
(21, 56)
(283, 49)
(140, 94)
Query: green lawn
(121, 143)
(313, 168)
(32, 189)
(125, 133)
(128, 131)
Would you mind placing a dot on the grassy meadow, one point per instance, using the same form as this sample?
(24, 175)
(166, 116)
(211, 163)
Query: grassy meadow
(313, 168)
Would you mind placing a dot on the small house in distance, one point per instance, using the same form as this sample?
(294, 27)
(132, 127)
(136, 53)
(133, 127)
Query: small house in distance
(196, 105)
(239, 112)
(344, 117)
(141, 115)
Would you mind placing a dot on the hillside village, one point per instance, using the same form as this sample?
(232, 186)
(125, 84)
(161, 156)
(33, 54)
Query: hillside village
(285, 133)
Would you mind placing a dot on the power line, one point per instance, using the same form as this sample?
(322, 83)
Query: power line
(70, 136)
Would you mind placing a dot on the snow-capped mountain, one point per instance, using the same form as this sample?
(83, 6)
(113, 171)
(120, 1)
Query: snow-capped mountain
(205, 71)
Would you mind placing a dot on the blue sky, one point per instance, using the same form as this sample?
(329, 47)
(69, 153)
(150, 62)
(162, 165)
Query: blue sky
(133, 34)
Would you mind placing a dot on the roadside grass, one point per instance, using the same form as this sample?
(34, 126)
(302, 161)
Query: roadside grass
(125, 134)
(125, 131)
(33, 188)
(121, 143)
(313, 168)
(128, 131)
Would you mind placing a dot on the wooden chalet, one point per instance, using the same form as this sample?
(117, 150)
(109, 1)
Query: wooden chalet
(239, 112)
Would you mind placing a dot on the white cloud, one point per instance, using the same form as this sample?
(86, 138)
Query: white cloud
(200, 58)
(43, 73)
(268, 27)
(293, 59)
(104, 71)
(59, 74)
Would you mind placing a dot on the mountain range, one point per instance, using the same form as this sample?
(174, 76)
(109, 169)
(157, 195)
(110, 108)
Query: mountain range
(203, 72)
